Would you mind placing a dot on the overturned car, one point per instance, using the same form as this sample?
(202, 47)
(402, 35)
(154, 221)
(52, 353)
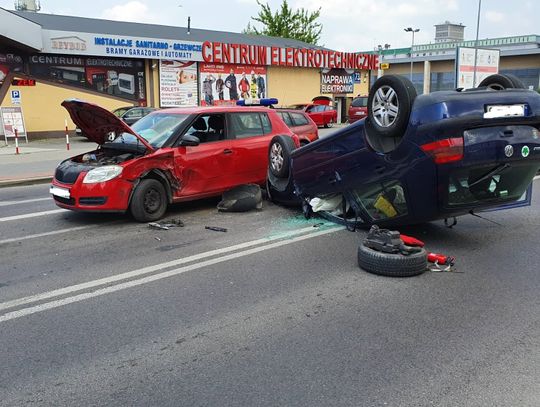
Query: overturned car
(417, 158)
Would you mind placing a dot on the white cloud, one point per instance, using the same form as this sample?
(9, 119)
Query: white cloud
(134, 11)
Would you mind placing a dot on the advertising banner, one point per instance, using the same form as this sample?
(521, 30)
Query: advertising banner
(227, 83)
(123, 78)
(487, 63)
(12, 120)
(337, 81)
(177, 83)
(9, 63)
(80, 43)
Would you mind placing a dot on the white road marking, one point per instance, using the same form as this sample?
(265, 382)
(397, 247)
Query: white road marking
(155, 277)
(31, 215)
(7, 203)
(54, 232)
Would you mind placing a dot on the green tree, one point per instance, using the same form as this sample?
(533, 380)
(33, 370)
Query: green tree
(298, 24)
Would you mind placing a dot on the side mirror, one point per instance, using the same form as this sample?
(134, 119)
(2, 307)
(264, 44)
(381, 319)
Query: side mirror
(189, 141)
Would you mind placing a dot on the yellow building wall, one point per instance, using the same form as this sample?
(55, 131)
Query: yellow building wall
(42, 110)
(293, 85)
(300, 85)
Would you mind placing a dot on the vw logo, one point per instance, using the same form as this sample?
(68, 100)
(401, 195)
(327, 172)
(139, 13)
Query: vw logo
(508, 150)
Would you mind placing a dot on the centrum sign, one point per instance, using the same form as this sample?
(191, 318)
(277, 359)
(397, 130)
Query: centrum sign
(337, 81)
(223, 53)
(65, 42)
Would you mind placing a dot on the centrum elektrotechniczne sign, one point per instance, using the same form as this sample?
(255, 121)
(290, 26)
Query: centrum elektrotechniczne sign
(67, 42)
(222, 53)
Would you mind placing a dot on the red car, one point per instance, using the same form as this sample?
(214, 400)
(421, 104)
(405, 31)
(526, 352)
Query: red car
(321, 114)
(168, 156)
(301, 124)
(358, 108)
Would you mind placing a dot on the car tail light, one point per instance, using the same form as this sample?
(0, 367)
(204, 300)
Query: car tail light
(445, 151)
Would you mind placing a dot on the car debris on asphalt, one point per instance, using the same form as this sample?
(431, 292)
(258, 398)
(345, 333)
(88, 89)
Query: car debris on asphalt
(166, 225)
(216, 228)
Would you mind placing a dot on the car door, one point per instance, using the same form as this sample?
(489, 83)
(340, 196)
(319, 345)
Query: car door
(251, 133)
(208, 168)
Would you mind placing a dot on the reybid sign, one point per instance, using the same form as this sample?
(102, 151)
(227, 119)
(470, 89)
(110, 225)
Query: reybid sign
(222, 53)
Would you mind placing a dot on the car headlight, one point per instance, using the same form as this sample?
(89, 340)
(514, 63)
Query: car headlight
(102, 174)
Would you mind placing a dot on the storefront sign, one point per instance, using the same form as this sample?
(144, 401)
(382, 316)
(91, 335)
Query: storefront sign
(337, 81)
(177, 83)
(123, 78)
(218, 52)
(13, 121)
(67, 42)
(487, 63)
(225, 83)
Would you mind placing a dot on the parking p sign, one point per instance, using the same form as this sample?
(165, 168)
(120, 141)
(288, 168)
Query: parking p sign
(15, 97)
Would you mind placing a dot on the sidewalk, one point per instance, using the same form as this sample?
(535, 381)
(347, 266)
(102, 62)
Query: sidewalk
(37, 159)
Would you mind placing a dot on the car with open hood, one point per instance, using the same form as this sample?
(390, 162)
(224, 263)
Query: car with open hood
(419, 158)
(170, 155)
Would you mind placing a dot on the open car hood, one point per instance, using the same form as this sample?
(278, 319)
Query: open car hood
(97, 124)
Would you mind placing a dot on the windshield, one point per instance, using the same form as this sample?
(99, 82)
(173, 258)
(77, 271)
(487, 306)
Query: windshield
(359, 102)
(155, 128)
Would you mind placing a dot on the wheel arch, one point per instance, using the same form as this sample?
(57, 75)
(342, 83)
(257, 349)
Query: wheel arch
(158, 175)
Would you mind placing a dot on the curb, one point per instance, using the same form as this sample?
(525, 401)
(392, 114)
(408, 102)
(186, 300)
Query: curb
(25, 181)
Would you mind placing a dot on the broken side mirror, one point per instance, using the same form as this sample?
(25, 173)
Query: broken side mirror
(189, 141)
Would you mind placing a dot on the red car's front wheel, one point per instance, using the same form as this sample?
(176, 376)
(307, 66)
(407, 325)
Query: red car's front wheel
(149, 201)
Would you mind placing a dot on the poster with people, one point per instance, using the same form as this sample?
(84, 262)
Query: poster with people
(177, 83)
(9, 63)
(224, 84)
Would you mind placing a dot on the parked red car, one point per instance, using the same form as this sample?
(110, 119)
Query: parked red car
(301, 124)
(358, 108)
(321, 114)
(168, 156)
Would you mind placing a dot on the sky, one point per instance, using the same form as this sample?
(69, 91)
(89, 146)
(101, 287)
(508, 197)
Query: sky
(348, 25)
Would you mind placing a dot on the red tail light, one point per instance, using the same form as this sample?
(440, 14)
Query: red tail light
(445, 151)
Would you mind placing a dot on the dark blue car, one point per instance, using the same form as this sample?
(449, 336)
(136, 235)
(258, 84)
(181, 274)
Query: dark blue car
(417, 158)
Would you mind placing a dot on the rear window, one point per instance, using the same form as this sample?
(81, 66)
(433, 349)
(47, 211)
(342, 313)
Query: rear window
(286, 118)
(359, 102)
(299, 119)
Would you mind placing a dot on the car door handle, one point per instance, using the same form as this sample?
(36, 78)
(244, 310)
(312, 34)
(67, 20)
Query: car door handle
(227, 151)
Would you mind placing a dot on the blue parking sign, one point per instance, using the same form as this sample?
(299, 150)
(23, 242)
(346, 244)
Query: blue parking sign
(15, 97)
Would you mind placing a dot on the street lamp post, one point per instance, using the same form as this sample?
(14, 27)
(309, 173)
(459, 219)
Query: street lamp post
(411, 30)
(380, 49)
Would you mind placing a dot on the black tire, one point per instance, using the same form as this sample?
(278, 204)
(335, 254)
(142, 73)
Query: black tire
(279, 155)
(329, 124)
(149, 201)
(392, 265)
(390, 103)
(501, 82)
(281, 191)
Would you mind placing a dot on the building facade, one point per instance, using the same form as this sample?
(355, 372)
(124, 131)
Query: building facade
(45, 59)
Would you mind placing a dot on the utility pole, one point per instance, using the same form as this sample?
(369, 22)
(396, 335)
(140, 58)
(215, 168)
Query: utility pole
(411, 30)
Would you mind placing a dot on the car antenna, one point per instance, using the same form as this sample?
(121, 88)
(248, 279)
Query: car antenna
(481, 217)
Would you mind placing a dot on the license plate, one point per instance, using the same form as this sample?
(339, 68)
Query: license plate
(496, 111)
(61, 192)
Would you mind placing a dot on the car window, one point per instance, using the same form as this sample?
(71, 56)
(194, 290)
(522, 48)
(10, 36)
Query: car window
(382, 200)
(120, 111)
(246, 125)
(286, 118)
(359, 102)
(267, 125)
(299, 119)
(133, 113)
(155, 128)
(208, 128)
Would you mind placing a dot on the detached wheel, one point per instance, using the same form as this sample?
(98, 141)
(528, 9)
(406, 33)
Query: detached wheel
(149, 201)
(501, 82)
(391, 265)
(279, 154)
(390, 103)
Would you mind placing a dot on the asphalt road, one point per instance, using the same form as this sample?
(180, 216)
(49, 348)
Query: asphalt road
(99, 310)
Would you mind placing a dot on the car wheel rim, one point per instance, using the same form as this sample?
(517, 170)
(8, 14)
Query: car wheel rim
(276, 157)
(152, 201)
(385, 106)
